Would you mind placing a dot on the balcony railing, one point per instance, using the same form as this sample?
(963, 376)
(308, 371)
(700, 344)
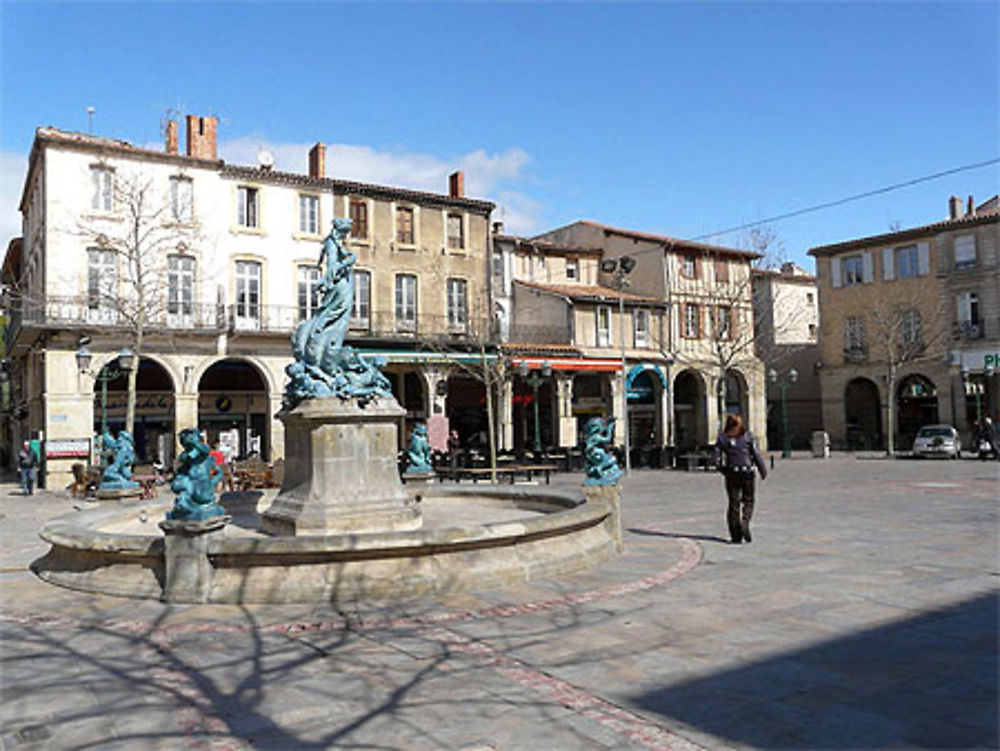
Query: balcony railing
(77, 312)
(856, 354)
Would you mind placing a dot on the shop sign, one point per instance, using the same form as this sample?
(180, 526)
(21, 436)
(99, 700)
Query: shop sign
(156, 403)
(67, 448)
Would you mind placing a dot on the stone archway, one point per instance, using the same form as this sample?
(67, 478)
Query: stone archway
(153, 431)
(862, 415)
(735, 395)
(690, 413)
(234, 408)
(916, 406)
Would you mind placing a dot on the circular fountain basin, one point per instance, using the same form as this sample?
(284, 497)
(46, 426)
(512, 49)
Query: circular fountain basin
(472, 538)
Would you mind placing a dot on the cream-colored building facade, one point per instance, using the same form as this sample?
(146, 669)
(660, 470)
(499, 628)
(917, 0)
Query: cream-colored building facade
(935, 286)
(235, 252)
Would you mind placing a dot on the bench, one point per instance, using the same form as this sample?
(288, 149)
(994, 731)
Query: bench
(697, 460)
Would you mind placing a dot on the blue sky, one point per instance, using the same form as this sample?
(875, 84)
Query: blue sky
(674, 118)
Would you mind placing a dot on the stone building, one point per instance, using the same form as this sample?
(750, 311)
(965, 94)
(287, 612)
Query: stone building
(909, 328)
(233, 252)
(786, 315)
(709, 366)
(559, 318)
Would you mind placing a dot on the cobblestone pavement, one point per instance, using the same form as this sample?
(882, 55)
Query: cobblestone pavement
(863, 615)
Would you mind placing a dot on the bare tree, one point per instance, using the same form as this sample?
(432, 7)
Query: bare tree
(133, 293)
(896, 325)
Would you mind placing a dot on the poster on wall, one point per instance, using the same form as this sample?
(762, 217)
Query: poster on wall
(67, 448)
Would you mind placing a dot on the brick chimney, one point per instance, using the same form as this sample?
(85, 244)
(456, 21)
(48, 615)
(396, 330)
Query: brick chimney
(970, 207)
(172, 130)
(954, 207)
(456, 185)
(201, 137)
(317, 161)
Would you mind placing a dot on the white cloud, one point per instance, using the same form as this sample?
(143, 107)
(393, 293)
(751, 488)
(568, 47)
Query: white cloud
(13, 167)
(496, 177)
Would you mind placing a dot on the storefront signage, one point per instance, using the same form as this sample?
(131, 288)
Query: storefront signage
(67, 448)
(977, 359)
(145, 404)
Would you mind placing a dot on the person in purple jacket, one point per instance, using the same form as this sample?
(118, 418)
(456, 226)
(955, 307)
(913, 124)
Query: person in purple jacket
(735, 455)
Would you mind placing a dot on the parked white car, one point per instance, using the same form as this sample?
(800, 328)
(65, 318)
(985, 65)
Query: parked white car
(937, 440)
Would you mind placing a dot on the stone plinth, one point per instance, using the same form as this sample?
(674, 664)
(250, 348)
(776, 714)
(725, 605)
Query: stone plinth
(341, 474)
(188, 570)
(119, 494)
(610, 494)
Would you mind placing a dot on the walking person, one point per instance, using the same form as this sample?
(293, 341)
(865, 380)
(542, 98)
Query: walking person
(27, 464)
(736, 455)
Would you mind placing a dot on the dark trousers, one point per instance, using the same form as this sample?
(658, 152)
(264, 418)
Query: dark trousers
(739, 488)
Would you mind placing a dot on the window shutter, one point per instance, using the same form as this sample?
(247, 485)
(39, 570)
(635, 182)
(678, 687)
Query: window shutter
(835, 272)
(867, 267)
(923, 259)
(887, 269)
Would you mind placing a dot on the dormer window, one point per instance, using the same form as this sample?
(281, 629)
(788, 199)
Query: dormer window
(572, 269)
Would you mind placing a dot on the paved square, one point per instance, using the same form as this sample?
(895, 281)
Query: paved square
(863, 615)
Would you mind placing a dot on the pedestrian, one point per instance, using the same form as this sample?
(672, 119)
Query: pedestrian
(27, 464)
(735, 456)
(454, 448)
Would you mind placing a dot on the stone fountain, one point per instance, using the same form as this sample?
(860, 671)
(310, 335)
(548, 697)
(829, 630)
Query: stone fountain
(342, 526)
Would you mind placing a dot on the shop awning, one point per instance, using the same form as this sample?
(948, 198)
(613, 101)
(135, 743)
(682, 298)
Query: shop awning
(429, 358)
(569, 363)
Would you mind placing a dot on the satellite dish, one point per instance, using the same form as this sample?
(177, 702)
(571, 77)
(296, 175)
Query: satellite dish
(265, 159)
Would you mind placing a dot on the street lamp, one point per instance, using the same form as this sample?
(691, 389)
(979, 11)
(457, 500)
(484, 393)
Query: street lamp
(121, 366)
(622, 267)
(534, 380)
(976, 389)
(783, 383)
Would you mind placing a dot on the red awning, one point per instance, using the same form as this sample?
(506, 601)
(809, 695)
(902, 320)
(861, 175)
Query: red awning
(570, 363)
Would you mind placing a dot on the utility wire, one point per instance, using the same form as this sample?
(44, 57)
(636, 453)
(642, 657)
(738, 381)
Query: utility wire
(848, 199)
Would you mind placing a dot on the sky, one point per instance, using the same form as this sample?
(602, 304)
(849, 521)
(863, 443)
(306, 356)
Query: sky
(682, 119)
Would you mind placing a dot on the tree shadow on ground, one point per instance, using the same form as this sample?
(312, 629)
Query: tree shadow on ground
(929, 681)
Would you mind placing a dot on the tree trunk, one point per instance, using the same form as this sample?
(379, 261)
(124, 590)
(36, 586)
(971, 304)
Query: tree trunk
(890, 409)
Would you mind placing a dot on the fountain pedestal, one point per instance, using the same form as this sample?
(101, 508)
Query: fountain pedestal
(341, 473)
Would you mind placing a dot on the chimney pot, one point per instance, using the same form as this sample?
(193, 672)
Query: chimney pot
(201, 137)
(172, 136)
(954, 207)
(317, 161)
(497, 228)
(456, 184)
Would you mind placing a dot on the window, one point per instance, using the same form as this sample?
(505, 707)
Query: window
(854, 337)
(404, 225)
(721, 270)
(572, 269)
(180, 291)
(246, 206)
(456, 232)
(358, 211)
(603, 326)
(968, 315)
(247, 295)
(723, 322)
(853, 270)
(308, 289)
(309, 214)
(181, 199)
(641, 316)
(812, 330)
(692, 314)
(406, 302)
(810, 298)
(458, 307)
(689, 266)
(910, 336)
(102, 282)
(498, 264)
(102, 182)
(362, 310)
(906, 262)
(965, 252)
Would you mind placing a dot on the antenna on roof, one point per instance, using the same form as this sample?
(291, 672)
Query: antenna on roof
(90, 120)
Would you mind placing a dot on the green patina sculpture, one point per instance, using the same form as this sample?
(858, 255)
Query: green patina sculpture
(195, 481)
(323, 365)
(121, 452)
(418, 456)
(602, 469)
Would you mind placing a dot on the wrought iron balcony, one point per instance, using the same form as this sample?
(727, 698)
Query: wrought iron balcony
(80, 312)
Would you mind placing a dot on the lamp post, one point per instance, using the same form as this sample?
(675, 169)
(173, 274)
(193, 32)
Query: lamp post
(622, 267)
(121, 366)
(534, 380)
(783, 382)
(976, 389)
